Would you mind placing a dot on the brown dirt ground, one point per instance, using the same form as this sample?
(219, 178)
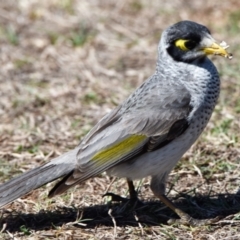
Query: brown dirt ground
(64, 64)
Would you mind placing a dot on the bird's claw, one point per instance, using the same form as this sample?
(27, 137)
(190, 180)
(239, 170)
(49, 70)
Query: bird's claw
(187, 220)
(132, 201)
(115, 197)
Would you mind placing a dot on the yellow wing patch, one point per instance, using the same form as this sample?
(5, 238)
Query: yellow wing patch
(119, 150)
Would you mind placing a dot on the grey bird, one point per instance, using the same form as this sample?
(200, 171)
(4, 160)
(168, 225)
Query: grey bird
(150, 131)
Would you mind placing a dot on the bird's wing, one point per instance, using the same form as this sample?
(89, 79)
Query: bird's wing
(128, 131)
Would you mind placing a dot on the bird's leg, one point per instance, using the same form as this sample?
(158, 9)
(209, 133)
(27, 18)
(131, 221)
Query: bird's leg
(158, 187)
(184, 217)
(132, 194)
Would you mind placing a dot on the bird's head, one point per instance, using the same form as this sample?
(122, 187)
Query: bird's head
(187, 41)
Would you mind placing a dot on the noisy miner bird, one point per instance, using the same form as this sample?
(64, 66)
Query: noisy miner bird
(150, 131)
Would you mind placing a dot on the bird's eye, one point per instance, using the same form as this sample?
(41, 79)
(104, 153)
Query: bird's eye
(190, 44)
(185, 45)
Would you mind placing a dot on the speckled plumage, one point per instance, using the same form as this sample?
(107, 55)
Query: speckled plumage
(200, 79)
(150, 131)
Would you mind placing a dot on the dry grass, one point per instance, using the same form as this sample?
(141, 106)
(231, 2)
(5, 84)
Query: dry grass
(64, 64)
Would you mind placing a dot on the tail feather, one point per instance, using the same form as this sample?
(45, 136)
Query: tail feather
(60, 187)
(23, 184)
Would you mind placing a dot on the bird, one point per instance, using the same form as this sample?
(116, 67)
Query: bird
(148, 133)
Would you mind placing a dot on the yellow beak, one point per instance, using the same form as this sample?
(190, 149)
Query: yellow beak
(216, 49)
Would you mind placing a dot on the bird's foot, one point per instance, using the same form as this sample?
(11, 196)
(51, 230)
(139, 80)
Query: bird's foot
(115, 197)
(132, 201)
(185, 219)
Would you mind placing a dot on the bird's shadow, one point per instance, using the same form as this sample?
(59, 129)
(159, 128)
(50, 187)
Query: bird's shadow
(151, 213)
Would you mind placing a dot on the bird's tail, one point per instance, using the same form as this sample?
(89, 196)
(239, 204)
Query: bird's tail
(23, 184)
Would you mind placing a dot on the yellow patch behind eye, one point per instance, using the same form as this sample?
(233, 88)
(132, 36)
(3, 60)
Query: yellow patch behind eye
(119, 150)
(181, 44)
